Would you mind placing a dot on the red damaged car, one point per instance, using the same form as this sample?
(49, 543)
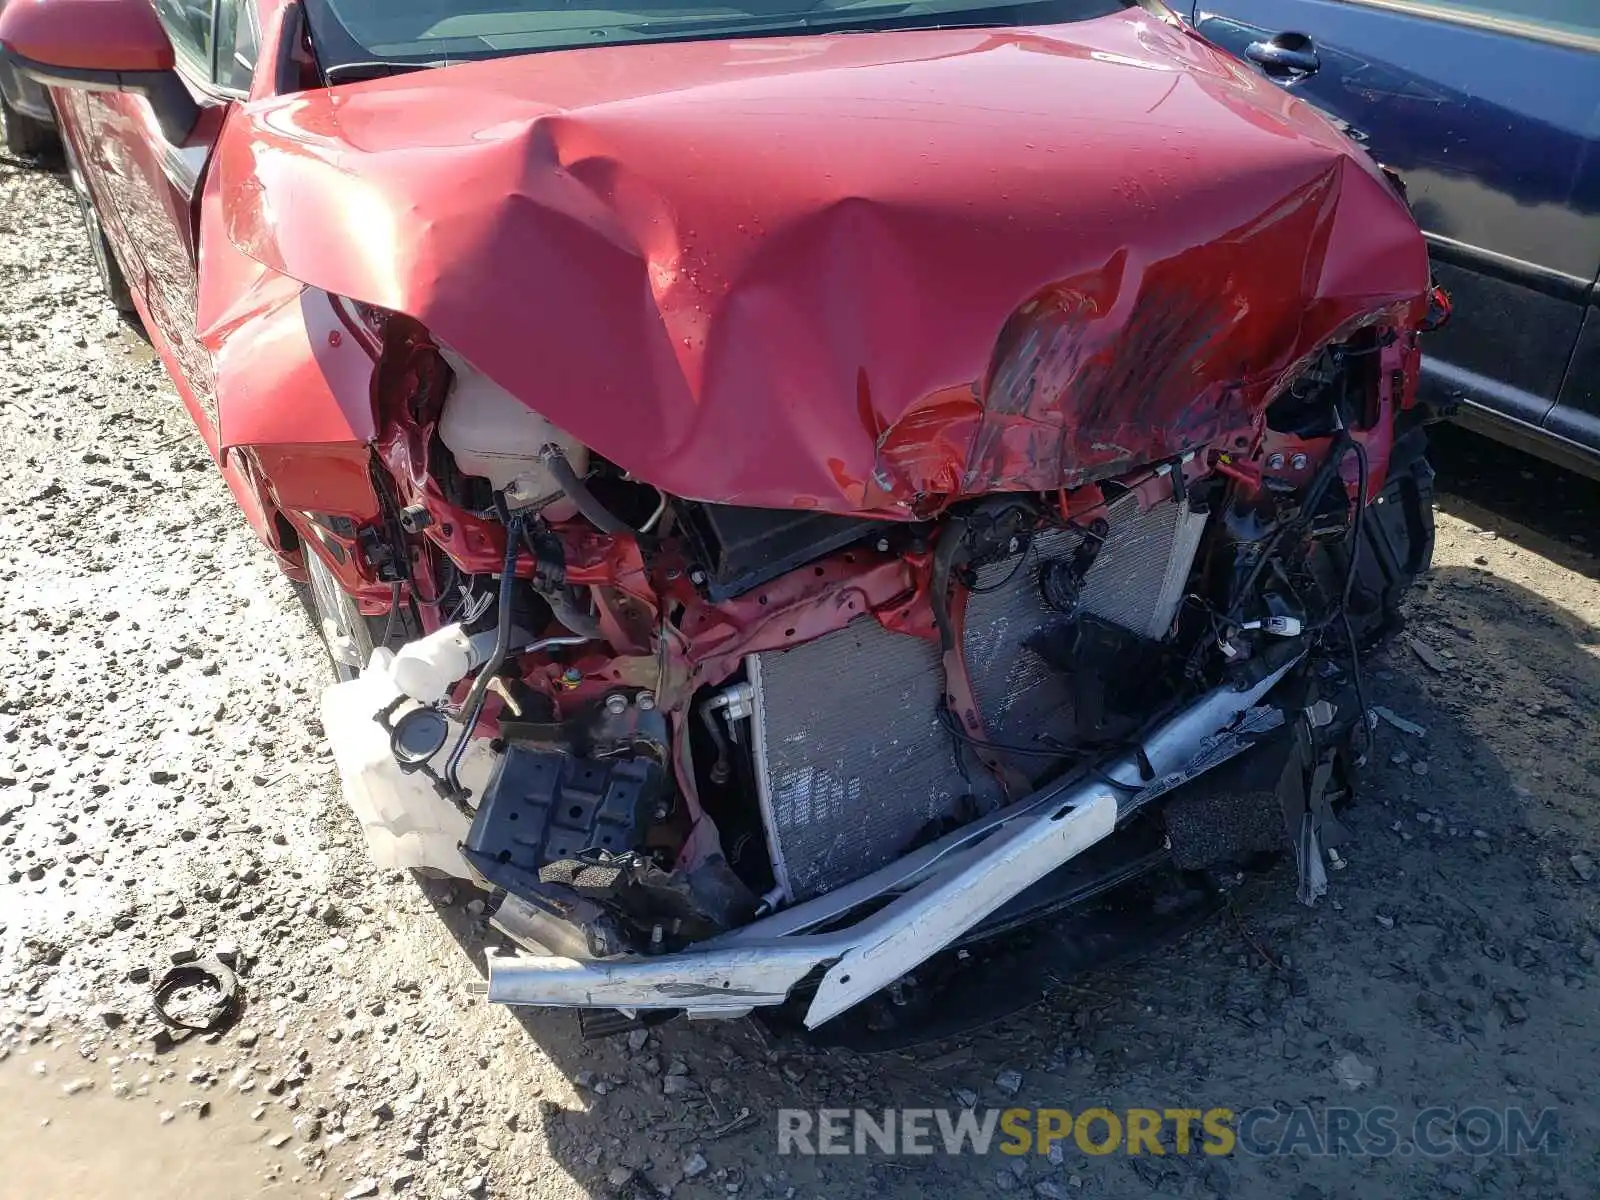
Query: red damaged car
(806, 497)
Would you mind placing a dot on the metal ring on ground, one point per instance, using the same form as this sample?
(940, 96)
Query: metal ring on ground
(205, 971)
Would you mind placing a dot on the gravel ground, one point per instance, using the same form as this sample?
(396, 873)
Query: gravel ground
(164, 790)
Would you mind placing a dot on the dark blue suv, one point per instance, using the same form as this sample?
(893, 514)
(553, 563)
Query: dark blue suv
(1490, 109)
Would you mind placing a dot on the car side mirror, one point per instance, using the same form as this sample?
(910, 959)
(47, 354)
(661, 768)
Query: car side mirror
(102, 46)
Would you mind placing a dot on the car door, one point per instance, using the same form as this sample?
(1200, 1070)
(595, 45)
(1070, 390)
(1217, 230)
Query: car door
(1576, 417)
(1490, 110)
(146, 186)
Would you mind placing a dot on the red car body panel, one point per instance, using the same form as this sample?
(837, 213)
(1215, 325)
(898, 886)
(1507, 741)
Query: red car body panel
(94, 35)
(866, 273)
(861, 273)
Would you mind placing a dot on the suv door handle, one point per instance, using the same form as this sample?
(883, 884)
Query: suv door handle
(1287, 57)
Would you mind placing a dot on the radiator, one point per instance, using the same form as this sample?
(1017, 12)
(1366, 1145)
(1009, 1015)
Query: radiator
(851, 760)
(1136, 582)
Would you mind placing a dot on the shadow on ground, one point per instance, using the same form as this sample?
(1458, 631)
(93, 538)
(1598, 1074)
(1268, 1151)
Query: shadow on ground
(1498, 488)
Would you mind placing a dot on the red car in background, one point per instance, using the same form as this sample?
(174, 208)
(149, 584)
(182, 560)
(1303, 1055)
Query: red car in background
(799, 495)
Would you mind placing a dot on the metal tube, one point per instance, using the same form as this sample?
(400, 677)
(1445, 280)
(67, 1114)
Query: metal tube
(565, 639)
(720, 769)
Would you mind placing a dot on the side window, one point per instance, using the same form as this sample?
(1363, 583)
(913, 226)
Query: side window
(188, 24)
(1563, 16)
(236, 44)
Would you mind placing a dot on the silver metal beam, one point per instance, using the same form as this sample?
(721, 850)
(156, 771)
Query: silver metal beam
(942, 891)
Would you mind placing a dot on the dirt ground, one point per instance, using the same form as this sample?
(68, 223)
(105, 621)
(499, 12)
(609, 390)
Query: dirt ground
(164, 789)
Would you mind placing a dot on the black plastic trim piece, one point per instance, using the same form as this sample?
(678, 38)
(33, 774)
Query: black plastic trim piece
(1572, 288)
(175, 107)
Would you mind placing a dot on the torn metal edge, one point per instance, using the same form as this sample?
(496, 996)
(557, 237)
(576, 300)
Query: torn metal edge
(954, 884)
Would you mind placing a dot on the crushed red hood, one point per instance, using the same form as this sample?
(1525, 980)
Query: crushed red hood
(845, 272)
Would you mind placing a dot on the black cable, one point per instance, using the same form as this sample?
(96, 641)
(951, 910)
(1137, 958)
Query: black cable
(1247, 588)
(439, 598)
(1022, 557)
(1072, 525)
(394, 611)
(549, 575)
(1357, 521)
(473, 707)
(1315, 491)
(949, 721)
(1341, 613)
(1352, 536)
(1357, 525)
(1132, 789)
(946, 550)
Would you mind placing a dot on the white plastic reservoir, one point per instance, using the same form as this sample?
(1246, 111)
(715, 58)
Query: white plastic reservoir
(496, 436)
(407, 824)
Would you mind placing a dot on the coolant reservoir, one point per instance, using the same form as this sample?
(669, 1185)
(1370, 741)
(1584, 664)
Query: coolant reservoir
(496, 436)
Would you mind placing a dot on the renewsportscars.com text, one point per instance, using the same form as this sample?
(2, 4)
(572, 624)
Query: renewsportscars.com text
(1262, 1132)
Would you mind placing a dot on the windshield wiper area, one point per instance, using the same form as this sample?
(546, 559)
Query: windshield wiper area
(816, 19)
(355, 72)
(813, 16)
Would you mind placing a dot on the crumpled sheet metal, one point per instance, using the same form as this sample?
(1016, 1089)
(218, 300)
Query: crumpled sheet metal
(777, 271)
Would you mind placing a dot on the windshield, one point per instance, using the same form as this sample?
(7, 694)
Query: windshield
(375, 33)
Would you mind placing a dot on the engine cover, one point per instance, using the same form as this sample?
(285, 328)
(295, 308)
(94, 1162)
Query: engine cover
(854, 766)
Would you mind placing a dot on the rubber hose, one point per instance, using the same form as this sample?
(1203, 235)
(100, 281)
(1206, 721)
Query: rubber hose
(570, 615)
(502, 646)
(947, 550)
(578, 492)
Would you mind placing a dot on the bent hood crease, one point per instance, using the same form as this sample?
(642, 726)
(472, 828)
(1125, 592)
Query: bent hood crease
(844, 272)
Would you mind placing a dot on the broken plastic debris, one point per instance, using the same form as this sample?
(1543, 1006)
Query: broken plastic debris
(1399, 722)
(1313, 882)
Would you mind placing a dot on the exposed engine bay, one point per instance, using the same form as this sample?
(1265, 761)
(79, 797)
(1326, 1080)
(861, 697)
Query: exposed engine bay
(732, 757)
